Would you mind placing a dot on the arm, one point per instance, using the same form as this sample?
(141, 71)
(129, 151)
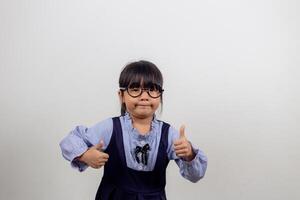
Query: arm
(82, 139)
(192, 162)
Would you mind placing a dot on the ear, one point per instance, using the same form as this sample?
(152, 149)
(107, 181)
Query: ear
(121, 96)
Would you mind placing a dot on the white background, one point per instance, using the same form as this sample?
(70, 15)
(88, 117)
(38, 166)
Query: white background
(231, 72)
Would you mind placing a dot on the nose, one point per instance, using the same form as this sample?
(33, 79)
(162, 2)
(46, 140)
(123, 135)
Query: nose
(144, 94)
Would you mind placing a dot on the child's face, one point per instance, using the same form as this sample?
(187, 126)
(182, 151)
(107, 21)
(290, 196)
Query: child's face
(142, 106)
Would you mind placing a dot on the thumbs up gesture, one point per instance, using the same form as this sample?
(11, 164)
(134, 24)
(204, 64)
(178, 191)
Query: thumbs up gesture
(183, 147)
(94, 156)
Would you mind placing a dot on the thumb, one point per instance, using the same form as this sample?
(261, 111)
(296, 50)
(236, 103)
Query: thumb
(99, 146)
(181, 131)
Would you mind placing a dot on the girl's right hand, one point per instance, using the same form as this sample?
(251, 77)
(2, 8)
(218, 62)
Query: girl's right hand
(94, 156)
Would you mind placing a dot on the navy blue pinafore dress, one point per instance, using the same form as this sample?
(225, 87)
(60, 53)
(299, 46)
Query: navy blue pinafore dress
(120, 182)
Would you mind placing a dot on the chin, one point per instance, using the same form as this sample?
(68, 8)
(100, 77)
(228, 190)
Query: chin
(145, 114)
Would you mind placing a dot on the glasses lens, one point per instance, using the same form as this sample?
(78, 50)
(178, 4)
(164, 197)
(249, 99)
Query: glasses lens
(134, 92)
(154, 92)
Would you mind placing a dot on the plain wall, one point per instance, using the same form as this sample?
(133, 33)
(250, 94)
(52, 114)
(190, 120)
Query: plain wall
(231, 72)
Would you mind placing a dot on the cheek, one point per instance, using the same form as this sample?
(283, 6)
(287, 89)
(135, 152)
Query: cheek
(156, 103)
(130, 102)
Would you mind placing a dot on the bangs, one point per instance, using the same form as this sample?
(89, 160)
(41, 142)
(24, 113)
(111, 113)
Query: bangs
(144, 81)
(141, 74)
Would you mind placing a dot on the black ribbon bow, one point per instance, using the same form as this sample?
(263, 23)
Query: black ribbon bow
(141, 154)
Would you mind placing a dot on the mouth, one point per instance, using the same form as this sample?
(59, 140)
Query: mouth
(140, 105)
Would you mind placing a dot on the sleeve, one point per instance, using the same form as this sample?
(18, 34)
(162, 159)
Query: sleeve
(192, 170)
(81, 138)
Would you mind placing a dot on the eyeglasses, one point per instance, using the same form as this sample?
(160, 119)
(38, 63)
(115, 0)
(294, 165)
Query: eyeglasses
(137, 91)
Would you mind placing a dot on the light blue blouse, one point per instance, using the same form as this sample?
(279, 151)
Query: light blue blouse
(82, 137)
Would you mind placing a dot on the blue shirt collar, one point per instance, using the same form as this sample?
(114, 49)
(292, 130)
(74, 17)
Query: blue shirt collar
(154, 126)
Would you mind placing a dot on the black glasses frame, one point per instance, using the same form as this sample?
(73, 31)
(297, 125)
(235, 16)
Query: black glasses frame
(142, 90)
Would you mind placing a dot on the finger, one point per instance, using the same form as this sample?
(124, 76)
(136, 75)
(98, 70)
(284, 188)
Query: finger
(180, 142)
(97, 167)
(182, 155)
(181, 132)
(181, 151)
(181, 146)
(98, 164)
(104, 156)
(177, 142)
(94, 166)
(100, 145)
(103, 160)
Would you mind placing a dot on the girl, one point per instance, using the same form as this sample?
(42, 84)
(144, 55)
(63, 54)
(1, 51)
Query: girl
(136, 147)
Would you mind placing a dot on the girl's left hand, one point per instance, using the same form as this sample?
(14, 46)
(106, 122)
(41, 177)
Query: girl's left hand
(183, 147)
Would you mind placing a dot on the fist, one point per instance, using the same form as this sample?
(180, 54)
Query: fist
(94, 156)
(182, 146)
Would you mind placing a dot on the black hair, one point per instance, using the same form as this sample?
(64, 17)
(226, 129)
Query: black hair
(140, 72)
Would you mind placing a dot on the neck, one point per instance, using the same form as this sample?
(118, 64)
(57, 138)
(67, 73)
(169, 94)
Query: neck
(142, 124)
(141, 120)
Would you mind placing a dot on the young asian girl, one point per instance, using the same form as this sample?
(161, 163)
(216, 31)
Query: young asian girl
(136, 147)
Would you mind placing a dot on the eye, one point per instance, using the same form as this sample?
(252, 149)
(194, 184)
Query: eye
(154, 87)
(135, 89)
